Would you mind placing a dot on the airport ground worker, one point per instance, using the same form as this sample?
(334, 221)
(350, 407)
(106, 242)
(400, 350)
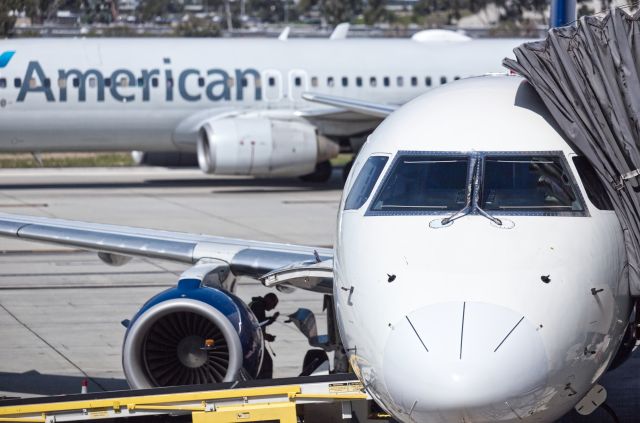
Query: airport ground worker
(259, 306)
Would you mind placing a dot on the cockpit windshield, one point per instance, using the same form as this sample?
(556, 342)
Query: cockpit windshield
(424, 183)
(528, 184)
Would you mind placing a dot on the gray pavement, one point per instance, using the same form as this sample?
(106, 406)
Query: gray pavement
(60, 309)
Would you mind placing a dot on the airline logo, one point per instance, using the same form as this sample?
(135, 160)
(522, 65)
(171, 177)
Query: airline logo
(5, 58)
(128, 85)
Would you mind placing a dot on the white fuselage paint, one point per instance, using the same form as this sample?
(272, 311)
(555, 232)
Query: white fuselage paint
(482, 369)
(164, 111)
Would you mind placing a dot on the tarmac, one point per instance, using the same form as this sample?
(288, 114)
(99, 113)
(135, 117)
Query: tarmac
(60, 308)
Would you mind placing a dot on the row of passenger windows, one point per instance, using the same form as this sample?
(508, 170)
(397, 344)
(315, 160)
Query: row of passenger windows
(330, 81)
(359, 81)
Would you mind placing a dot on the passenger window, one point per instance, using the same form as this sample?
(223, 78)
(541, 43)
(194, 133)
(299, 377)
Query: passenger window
(140, 82)
(154, 82)
(400, 81)
(330, 81)
(365, 182)
(107, 82)
(272, 81)
(345, 81)
(528, 184)
(76, 82)
(427, 81)
(17, 83)
(245, 82)
(372, 81)
(386, 81)
(596, 191)
(414, 81)
(443, 80)
(424, 183)
(3, 82)
(359, 81)
(297, 81)
(314, 81)
(200, 82)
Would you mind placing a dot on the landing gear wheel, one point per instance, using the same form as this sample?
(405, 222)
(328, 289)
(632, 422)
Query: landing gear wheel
(312, 360)
(346, 169)
(321, 174)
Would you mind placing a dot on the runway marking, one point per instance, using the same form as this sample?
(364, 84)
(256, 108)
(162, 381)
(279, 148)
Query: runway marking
(141, 272)
(310, 202)
(52, 347)
(25, 205)
(221, 218)
(76, 287)
(123, 171)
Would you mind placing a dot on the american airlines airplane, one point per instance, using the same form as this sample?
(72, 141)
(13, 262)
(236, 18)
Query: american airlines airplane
(478, 272)
(236, 103)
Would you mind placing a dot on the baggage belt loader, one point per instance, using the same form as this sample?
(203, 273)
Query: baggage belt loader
(332, 398)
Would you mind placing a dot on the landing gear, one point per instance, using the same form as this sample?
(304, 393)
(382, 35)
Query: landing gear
(313, 359)
(321, 174)
(346, 169)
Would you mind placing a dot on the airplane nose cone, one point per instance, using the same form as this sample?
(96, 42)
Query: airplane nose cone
(468, 360)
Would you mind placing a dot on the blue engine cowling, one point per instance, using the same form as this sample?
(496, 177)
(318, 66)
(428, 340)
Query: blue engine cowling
(166, 341)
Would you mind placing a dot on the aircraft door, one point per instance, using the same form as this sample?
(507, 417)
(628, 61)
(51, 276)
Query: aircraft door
(272, 85)
(298, 83)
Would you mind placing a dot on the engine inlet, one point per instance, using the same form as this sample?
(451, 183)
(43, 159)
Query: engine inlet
(175, 353)
(181, 342)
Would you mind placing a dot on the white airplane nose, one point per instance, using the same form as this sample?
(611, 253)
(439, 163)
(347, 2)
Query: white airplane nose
(465, 361)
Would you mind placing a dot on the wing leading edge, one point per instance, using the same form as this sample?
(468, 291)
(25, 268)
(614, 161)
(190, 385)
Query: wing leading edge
(245, 258)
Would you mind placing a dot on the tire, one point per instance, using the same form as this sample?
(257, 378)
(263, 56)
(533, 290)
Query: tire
(346, 169)
(321, 174)
(312, 360)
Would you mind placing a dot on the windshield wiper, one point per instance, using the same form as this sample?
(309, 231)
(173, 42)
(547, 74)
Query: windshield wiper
(476, 195)
(467, 207)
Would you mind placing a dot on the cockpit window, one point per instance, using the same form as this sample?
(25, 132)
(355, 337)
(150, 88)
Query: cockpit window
(528, 184)
(365, 182)
(422, 184)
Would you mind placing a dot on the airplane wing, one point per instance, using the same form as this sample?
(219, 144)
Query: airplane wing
(244, 258)
(359, 106)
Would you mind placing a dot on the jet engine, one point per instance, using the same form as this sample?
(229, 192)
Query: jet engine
(262, 147)
(192, 334)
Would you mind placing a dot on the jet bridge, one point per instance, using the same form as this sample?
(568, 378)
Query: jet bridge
(330, 398)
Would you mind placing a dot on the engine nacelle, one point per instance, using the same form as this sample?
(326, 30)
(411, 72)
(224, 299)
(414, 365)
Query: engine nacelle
(165, 343)
(261, 147)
